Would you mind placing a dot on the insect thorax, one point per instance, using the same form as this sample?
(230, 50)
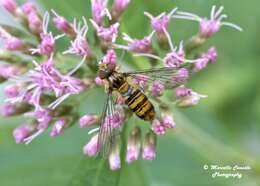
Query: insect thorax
(116, 80)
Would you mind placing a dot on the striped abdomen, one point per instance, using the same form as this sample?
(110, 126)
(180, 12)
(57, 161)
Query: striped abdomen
(137, 101)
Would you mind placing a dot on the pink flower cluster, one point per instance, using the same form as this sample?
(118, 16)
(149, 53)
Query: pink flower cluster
(39, 89)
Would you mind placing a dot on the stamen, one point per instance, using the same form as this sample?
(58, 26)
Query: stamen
(77, 67)
(59, 36)
(127, 38)
(150, 16)
(223, 16)
(93, 130)
(172, 12)
(219, 12)
(188, 14)
(232, 25)
(121, 47)
(46, 19)
(168, 38)
(185, 17)
(54, 104)
(32, 137)
(148, 55)
(212, 13)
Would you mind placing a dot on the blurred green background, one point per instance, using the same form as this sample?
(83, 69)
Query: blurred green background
(222, 130)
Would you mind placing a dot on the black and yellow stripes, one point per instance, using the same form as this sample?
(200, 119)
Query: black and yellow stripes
(140, 105)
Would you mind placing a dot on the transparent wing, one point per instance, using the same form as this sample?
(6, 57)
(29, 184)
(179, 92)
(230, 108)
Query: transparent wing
(170, 77)
(108, 134)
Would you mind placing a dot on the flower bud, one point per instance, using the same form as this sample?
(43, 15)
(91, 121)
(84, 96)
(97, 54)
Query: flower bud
(191, 100)
(63, 25)
(157, 127)
(88, 120)
(157, 88)
(114, 156)
(200, 64)
(28, 8)
(12, 91)
(59, 127)
(208, 27)
(182, 92)
(212, 54)
(107, 35)
(91, 148)
(8, 110)
(22, 132)
(149, 146)
(35, 22)
(99, 10)
(167, 120)
(9, 5)
(119, 6)
(14, 43)
(8, 71)
(181, 76)
(133, 145)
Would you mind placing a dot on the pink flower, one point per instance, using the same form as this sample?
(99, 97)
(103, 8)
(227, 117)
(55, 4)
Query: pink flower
(115, 120)
(212, 54)
(47, 45)
(157, 88)
(91, 148)
(200, 63)
(99, 10)
(141, 81)
(149, 151)
(11, 42)
(158, 128)
(88, 120)
(137, 45)
(22, 132)
(119, 6)
(190, 99)
(59, 127)
(114, 157)
(14, 43)
(35, 22)
(209, 26)
(8, 110)
(181, 76)
(183, 92)
(28, 8)
(8, 71)
(161, 22)
(9, 5)
(175, 58)
(63, 25)
(133, 145)
(110, 57)
(80, 45)
(42, 116)
(12, 91)
(205, 59)
(107, 35)
(167, 121)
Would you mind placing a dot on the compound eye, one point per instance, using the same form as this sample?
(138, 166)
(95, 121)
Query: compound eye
(102, 74)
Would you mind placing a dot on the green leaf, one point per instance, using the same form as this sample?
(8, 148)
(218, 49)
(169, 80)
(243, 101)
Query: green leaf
(95, 172)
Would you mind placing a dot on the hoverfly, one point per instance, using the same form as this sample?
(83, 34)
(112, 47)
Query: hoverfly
(134, 97)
